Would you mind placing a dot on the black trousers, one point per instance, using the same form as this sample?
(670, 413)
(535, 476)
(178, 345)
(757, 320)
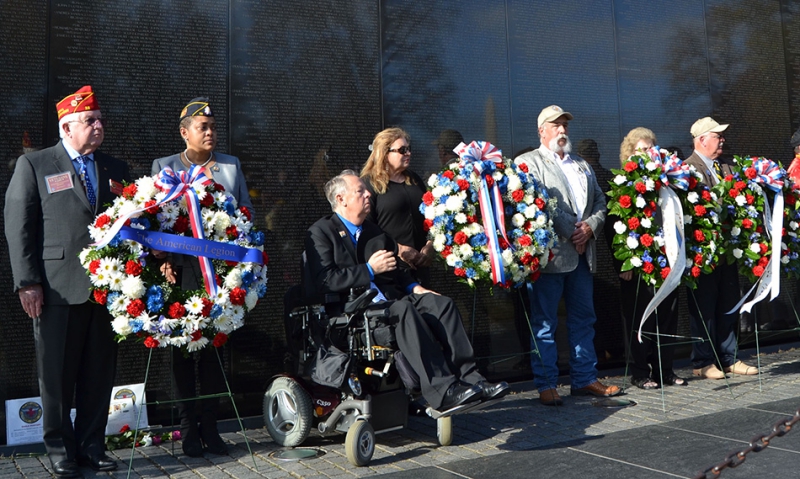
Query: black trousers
(75, 355)
(635, 295)
(716, 294)
(431, 336)
(208, 376)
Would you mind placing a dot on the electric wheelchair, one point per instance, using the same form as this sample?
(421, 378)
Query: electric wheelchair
(345, 375)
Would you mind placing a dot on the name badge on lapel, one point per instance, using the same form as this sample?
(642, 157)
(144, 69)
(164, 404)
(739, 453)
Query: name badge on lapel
(58, 182)
(116, 187)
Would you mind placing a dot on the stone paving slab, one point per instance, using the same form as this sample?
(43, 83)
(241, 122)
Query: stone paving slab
(518, 423)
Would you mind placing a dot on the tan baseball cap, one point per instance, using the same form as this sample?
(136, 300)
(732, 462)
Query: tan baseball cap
(706, 125)
(552, 113)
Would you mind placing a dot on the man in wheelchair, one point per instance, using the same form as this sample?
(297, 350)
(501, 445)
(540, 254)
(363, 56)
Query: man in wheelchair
(344, 252)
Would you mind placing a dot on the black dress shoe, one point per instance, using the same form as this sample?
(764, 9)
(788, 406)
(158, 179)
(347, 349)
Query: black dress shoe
(492, 391)
(212, 440)
(191, 444)
(458, 394)
(67, 469)
(98, 462)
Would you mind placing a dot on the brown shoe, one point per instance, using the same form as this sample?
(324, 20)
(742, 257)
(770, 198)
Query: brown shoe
(550, 397)
(709, 372)
(741, 369)
(596, 389)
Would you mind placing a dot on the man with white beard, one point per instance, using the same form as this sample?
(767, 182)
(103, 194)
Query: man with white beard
(581, 212)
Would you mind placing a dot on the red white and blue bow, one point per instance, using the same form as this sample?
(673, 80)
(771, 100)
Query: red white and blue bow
(674, 172)
(483, 158)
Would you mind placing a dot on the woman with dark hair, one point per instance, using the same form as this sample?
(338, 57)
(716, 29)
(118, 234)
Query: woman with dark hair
(198, 129)
(650, 366)
(396, 195)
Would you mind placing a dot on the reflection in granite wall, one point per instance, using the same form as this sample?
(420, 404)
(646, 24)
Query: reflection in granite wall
(300, 89)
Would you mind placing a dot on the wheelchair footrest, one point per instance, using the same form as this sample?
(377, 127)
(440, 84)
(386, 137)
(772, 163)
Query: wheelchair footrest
(462, 409)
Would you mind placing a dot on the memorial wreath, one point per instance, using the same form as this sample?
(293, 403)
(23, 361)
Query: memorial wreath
(489, 218)
(179, 212)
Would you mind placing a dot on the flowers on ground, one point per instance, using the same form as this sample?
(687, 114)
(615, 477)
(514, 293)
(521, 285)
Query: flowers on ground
(125, 438)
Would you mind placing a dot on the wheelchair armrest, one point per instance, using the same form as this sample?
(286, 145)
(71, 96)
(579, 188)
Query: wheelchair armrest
(361, 302)
(377, 313)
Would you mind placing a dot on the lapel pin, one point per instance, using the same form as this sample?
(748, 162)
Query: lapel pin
(342, 234)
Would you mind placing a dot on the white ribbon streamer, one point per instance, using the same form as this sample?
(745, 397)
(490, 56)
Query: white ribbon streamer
(672, 224)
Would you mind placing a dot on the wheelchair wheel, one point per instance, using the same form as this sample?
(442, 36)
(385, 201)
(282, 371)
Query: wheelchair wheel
(359, 444)
(288, 412)
(444, 430)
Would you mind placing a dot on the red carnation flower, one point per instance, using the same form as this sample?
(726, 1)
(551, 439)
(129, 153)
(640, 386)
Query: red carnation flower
(633, 223)
(733, 192)
(150, 342)
(447, 251)
(698, 259)
(706, 195)
(625, 201)
(460, 238)
(665, 272)
(646, 240)
(151, 206)
(207, 200)
(525, 240)
(539, 203)
(135, 307)
(94, 265)
(535, 275)
(246, 212)
(740, 185)
(218, 187)
(265, 257)
(207, 305)
(232, 231)
(647, 267)
(523, 167)
(758, 270)
(461, 272)
(503, 243)
(759, 229)
(749, 199)
(471, 219)
(763, 261)
(750, 173)
(640, 187)
(133, 268)
(448, 174)
(699, 210)
(237, 296)
(791, 199)
(699, 236)
(747, 224)
(631, 166)
(101, 221)
(176, 310)
(427, 198)
(728, 177)
(535, 262)
(763, 247)
(518, 195)
(462, 184)
(231, 263)
(648, 211)
(220, 339)
(129, 191)
(181, 224)
(427, 224)
(692, 182)
(695, 271)
(658, 185)
(197, 335)
(100, 296)
(526, 258)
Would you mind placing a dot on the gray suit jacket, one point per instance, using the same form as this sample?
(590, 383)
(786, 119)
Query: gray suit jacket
(549, 174)
(229, 175)
(46, 231)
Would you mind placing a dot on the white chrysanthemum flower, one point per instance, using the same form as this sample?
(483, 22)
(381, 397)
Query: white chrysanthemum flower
(465, 251)
(439, 191)
(632, 242)
(640, 202)
(713, 197)
(514, 182)
(441, 210)
(193, 346)
(650, 166)
(741, 200)
(530, 212)
(121, 326)
(737, 253)
(659, 240)
(432, 180)
(793, 225)
(636, 261)
(646, 222)
(692, 197)
(194, 305)
(649, 184)
(712, 246)
(460, 218)
(454, 203)
(430, 213)
(735, 231)
(620, 227)
(439, 243)
(473, 229)
(619, 180)
(755, 248)
(541, 220)
(518, 220)
(784, 259)
(82, 257)
(508, 257)
(451, 260)
(687, 219)
(133, 287)
(485, 266)
(221, 221)
(234, 279)
(251, 299)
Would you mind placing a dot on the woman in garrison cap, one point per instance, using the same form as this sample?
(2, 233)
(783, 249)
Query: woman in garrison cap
(396, 195)
(198, 129)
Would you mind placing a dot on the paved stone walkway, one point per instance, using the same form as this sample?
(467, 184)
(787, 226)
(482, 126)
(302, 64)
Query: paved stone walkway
(518, 423)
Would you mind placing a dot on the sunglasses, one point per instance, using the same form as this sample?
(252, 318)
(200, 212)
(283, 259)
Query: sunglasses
(403, 150)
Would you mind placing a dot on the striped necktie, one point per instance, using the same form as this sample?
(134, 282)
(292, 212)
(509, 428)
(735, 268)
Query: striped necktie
(87, 183)
(717, 170)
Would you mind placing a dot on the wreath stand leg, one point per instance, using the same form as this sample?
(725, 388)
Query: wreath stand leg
(535, 350)
(236, 410)
(629, 334)
(660, 365)
(139, 414)
(713, 348)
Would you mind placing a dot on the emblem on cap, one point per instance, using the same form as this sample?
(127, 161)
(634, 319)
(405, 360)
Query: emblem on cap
(556, 108)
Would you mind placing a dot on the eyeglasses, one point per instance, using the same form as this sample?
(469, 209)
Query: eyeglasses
(717, 137)
(403, 150)
(91, 122)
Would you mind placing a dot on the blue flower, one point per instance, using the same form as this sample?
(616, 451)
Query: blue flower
(662, 261)
(257, 238)
(229, 208)
(471, 273)
(216, 311)
(541, 236)
(646, 257)
(136, 325)
(261, 290)
(478, 240)
(247, 278)
(521, 207)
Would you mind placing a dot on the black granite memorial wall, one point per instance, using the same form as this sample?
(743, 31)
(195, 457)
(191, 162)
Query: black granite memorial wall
(300, 89)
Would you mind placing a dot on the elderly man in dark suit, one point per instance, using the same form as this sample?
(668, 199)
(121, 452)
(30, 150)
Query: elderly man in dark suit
(581, 212)
(429, 329)
(718, 291)
(53, 196)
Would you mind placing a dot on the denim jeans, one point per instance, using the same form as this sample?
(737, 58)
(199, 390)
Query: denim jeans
(576, 287)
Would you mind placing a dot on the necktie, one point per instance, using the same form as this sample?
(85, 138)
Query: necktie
(717, 170)
(87, 183)
(357, 234)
